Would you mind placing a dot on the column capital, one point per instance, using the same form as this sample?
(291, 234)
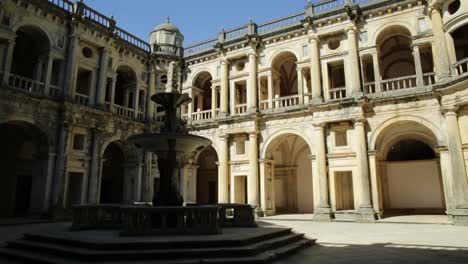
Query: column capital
(359, 121)
(224, 61)
(320, 126)
(434, 9)
(253, 134)
(314, 39)
(223, 137)
(450, 111)
(252, 54)
(351, 29)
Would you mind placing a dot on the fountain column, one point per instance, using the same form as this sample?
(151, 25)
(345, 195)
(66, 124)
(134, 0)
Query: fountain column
(223, 176)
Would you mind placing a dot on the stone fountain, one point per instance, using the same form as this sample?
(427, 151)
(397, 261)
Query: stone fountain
(172, 146)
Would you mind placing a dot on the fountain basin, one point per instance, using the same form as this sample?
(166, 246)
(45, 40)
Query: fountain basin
(162, 143)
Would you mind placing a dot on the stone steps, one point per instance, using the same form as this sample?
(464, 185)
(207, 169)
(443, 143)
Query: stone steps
(257, 249)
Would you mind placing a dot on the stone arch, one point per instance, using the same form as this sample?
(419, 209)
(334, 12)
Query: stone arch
(126, 86)
(434, 130)
(38, 26)
(383, 30)
(207, 176)
(284, 71)
(202, 97)
(31, 51)
(24, 181)
(288, 155)
(408, 167)
(194, 75)
(119, 173)
(279, 52)
(282, 132)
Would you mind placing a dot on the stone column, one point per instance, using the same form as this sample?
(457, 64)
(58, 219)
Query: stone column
(136, 101)
(48, 77)
(252, 180)
(353, 62)
(223, 172)
(101, 87)
(213, 101)
(270, 91)
(49, 177)
(457, 162)
(365, 211)
(61, 165)
(112, 96)
(151, 91)
(94, 175)
(68, 88)
(8, 60)
(323, 212)
(252, 84)
(315, 76)
(374, 180)
(440, 52)
(375, 62)
(417, 66)
(300, 86)
(224, 88)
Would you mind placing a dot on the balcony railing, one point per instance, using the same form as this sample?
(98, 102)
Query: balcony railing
(81, 99)
(202, 115)
(236, 32)
(123, 111)
(337, 93)
(54, 91)
(327, 5)
(199, 47)
(278, 24)
(370, 87)
(399, 83)
(285, 101)
(429, 78)
(26, 84)
(240, 109)
(461, 66)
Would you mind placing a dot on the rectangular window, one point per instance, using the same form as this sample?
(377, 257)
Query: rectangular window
(341, 138)
(305, 51)
(422, 24)
(363, 36)
(240, 147)
(79, 142)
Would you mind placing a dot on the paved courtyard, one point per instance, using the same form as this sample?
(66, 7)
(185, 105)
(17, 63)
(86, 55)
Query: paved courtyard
(342, 242)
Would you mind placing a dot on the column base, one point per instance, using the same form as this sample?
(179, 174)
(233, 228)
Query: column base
(223, 115)
(323, 214)
(316, 100)
(458, 216)
(366, 215)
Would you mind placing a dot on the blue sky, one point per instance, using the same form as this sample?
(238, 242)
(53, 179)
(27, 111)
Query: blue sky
(197, 19)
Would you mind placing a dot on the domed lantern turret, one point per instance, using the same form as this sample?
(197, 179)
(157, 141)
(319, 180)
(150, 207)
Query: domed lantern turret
(166, 39)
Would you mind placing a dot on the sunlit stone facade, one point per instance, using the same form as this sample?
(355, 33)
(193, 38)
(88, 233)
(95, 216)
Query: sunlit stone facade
(347, 110)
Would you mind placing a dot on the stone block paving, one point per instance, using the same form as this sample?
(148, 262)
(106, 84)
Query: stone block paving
(343, 242)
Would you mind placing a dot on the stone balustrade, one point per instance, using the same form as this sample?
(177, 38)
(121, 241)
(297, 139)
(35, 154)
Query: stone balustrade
(399, 83)
(286, 101)
(148, 220)
(81, 99)
(236, 215)
(337, 93)
(461, 67)
(25, 84)
(97, 216)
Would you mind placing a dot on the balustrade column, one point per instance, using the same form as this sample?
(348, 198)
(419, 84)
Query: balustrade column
(315, 77)
(213, 101)
(353, 62)
(94, 176)
(8, 60)
(270, 91)
(149, 104)
(323, 211)
(377, 77)
(252, 85)
(223, 172)
(417, 66)
(101, 87)
(252, 182)
(440, 51)
(457, 162)
(366, 211)
(48, 77)
(224, 88)
(300, 86)
(68, 89)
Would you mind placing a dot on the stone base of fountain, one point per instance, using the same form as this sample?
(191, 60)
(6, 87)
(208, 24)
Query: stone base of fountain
(139, 220)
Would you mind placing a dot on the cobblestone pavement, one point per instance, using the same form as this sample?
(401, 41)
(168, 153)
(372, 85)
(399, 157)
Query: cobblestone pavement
(341, 242)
